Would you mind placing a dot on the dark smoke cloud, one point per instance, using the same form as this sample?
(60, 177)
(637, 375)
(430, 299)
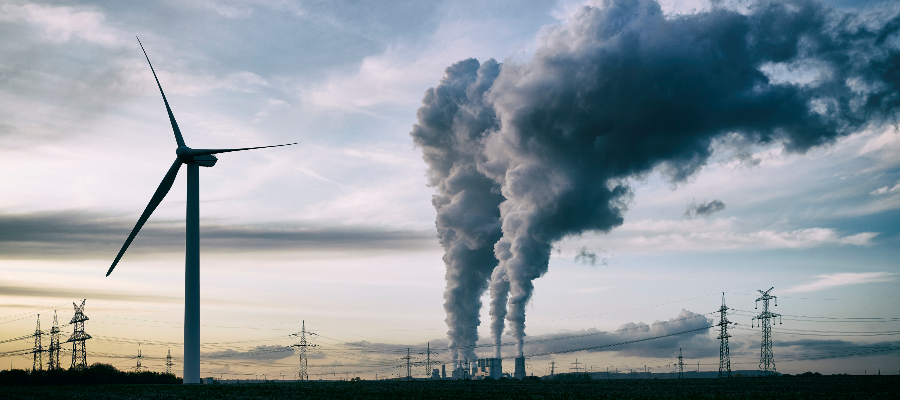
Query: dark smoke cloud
(621, 90)
(453, 122)
(704, 208)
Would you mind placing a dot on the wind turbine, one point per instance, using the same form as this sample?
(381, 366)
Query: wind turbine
(194, 158)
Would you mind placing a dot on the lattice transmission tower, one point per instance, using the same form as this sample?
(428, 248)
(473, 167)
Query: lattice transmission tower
(766, 357)
(169, 362)
(303, 345)
(680, 365)
(139, 367)
(38, 351)
(408, 358)
(428, 363)
(79, 355)
(724, 356)
(53, 351)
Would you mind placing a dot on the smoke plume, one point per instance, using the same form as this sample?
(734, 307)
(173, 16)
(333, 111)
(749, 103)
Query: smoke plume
(621, 90)
(453, 122)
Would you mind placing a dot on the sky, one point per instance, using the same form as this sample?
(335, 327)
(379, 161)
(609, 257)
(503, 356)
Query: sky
(339, 230)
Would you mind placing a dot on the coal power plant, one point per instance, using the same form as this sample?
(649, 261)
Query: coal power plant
(525, 154)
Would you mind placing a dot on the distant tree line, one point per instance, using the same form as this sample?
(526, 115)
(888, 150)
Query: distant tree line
(96, 374)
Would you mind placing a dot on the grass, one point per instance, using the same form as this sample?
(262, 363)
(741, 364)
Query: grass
(826, 387)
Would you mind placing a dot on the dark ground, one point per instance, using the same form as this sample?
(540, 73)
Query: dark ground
(825, 387)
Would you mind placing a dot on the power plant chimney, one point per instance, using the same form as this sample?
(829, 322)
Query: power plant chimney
(496, 367)
(520, 368)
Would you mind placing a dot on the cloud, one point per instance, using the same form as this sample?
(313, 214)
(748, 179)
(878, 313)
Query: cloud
(699, 339)
(847, 278)
(704, 208)
(813, 349)
(723, 234)
(590, 289)
(887, 189)
(264, 352)
(81, 293)
(62, 24)
(76, 234)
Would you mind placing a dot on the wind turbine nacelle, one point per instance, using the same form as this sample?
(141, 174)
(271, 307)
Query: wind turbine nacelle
(206, 161)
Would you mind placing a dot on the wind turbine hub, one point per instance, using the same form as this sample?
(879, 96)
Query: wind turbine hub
(188, 155)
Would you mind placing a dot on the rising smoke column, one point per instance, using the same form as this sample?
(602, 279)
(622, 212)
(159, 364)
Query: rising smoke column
(452, 123)
(622, 90)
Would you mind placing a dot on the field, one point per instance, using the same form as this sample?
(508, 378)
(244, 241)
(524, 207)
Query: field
(826, 387)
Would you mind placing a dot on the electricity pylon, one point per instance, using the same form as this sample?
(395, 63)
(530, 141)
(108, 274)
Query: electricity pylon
(139, 367)
(79, 355)
(408, 368)
(54, 363)
(428, 363)
(303, 345)
(766, 357)
(680, 365)
(38, 364)
(724, 357)
(169, 362)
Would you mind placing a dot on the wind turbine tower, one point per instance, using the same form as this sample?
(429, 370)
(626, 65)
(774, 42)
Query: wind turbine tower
(193, 158)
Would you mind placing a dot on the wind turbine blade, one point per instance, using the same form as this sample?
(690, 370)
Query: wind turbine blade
(206, 152)
(178, 138)
(158, 197)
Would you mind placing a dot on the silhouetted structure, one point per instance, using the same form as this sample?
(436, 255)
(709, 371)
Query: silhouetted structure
(519, 371)
(169, 362)
(766, 357)
(53, 351)
(194, 159)
(408, 367)
(680, 365)
(303, 345)
(38, 351)
(428, 363)
(724, 357)
(79, 355)
(139, 367)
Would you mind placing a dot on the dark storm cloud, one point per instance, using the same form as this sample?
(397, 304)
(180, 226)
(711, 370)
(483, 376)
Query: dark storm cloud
(704, 209)
(76, 234)
(622, 90)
